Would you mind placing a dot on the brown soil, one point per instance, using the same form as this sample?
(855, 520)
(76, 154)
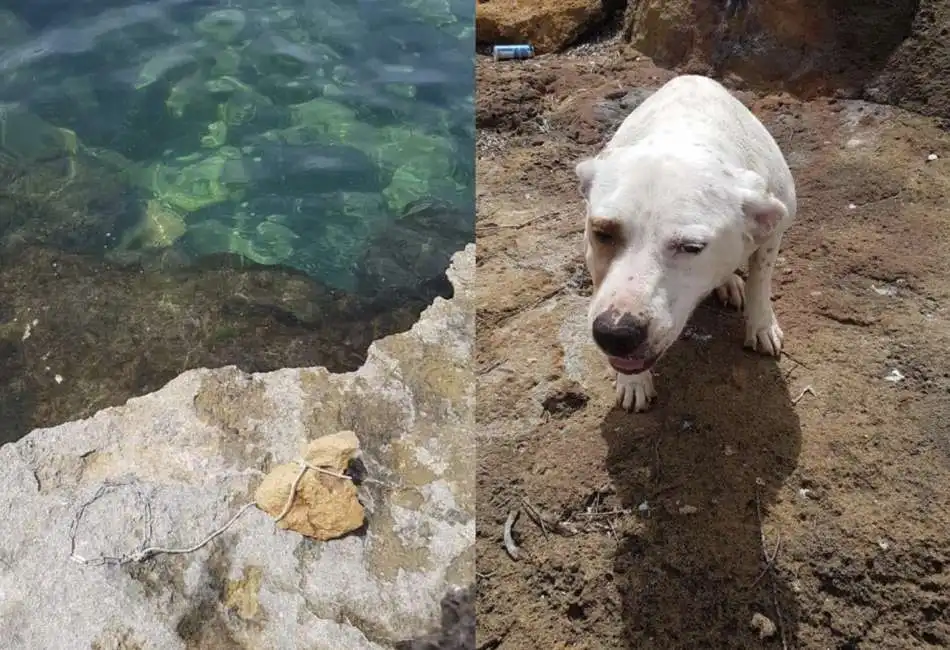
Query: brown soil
(826, 514)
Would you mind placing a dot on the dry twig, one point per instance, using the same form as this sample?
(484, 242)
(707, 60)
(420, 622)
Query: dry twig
(535, 516)
(770, 568)
(806, 389)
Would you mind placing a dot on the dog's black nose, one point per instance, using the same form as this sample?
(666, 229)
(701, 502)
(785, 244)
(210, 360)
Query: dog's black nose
(619, 334)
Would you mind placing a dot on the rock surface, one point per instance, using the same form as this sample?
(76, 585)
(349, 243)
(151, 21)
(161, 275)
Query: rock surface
(893, 52)
(808, 45)
(882, 51)
(169, 468)
(548, 25)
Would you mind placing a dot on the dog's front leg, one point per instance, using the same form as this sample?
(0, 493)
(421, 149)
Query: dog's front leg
(763, 333)
(635, 391)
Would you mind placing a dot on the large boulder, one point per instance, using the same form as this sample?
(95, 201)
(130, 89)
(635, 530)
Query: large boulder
(548, 25)
(168, 468)
(917, 75)
(806, 46)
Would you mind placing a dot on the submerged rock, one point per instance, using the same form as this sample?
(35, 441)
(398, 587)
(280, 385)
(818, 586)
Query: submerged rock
(223, 26)
(411, 253)
(74, 203)
(293, 170)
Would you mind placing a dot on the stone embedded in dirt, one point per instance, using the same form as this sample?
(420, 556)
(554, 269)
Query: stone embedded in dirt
(764, 625)
(548, 25)
(324, 507)
(688, 510)
(894, 376)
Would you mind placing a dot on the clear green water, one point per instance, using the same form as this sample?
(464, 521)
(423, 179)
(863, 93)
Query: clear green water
(190, 184)
(286, 132)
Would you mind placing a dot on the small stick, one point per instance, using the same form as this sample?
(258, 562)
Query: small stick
(603, 513)
(770, 568)
(806, 389)
(548, 523)
(768, 561)
(535, 516)
(510, 545)
(487, 369)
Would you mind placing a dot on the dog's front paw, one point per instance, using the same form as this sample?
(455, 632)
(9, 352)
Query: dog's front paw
(764, 335)
(635, 391)
(731, 293)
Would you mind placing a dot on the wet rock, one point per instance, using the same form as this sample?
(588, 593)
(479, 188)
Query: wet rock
(548, 25)
(172, 466)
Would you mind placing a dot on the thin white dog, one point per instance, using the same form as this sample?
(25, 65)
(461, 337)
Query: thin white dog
(691, 186)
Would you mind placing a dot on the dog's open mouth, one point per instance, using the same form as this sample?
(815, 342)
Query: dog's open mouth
(629, 365)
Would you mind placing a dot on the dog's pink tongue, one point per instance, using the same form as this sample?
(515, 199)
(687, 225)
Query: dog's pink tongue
(627, 365)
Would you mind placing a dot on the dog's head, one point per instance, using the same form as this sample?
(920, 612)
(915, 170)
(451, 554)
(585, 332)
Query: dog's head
(663, 230)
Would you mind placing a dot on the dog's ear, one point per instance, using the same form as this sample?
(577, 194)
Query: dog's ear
(585, 171)
(761, 208)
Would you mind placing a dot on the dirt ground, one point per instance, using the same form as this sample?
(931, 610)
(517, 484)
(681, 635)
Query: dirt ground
(827, 512)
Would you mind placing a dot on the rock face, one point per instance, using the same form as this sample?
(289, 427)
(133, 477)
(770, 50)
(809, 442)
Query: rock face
(917, 74)
(807, 46)
(893, 52)
(548, 25)
(169, 468)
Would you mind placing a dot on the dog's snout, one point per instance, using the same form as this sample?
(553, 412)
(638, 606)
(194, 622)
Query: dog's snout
(619, 334)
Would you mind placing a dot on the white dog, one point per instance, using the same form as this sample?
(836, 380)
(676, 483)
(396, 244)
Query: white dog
(691, 186)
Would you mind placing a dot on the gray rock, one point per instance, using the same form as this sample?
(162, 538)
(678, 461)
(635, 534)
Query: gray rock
(169, 468)
(611, 112)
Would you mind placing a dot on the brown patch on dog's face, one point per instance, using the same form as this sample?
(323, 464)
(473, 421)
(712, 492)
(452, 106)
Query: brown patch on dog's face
(603, 237)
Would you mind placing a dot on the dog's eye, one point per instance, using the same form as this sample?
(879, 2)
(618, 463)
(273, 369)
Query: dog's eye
(604, 238)
(691, 248)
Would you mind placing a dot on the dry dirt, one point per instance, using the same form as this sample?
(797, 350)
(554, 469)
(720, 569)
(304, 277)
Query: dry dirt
(828, 514)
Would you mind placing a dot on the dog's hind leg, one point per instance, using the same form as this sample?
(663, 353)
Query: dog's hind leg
(732, 292)
(763, 333)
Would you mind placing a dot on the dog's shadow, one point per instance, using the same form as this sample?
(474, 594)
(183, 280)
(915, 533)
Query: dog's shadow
(699, 470)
